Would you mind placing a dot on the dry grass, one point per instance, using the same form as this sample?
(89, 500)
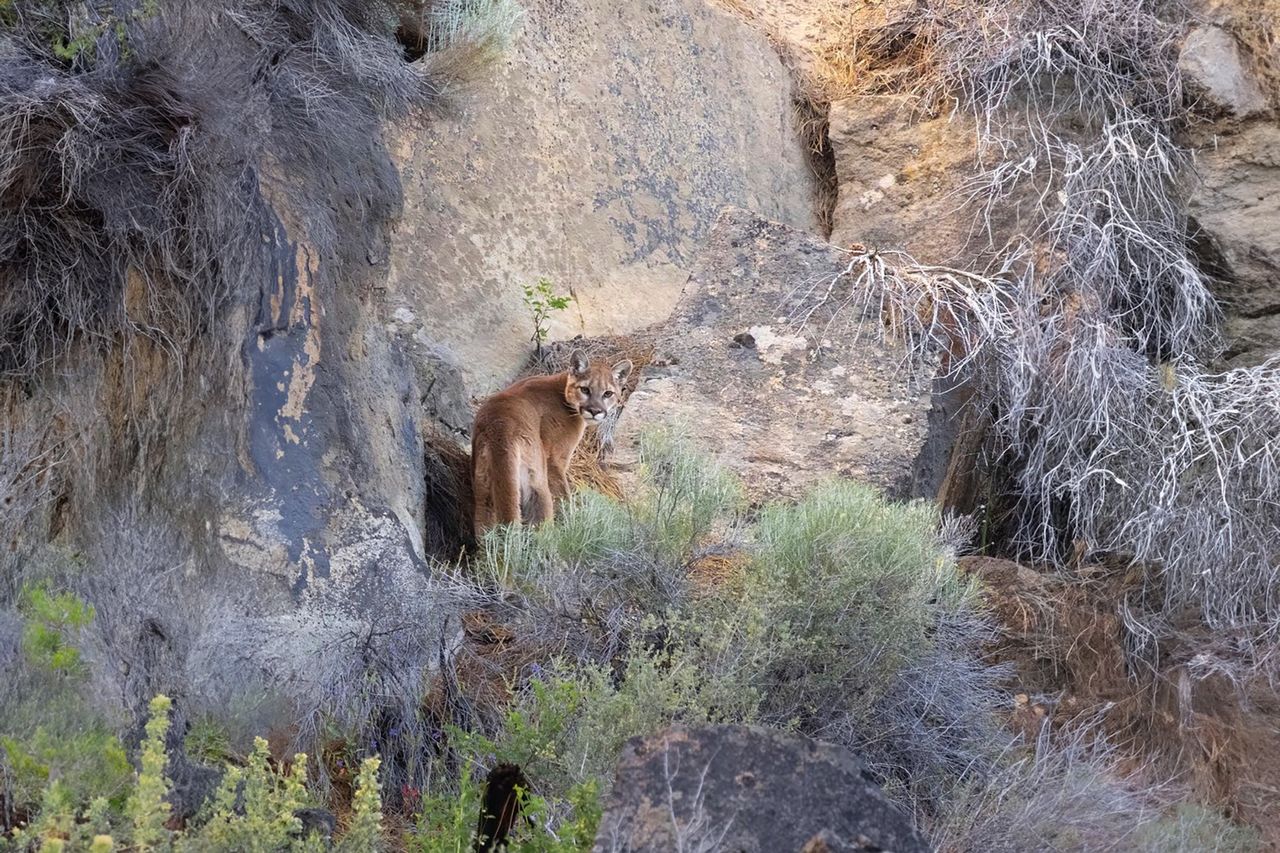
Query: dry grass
(1203, 713)
(1256, 26)
(873, 48)
(811, 120)
(713, 573)
(590, 469)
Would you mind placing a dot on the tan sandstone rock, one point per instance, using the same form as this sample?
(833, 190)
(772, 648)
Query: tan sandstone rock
(784, 404)
(598, 157)
(1215, 70)
(903, 178)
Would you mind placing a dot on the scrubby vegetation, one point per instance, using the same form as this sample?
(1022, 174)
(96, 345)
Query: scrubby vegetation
(150, 147)
(843, 617)
(151, 152)
(1094, 339)
(161, 161)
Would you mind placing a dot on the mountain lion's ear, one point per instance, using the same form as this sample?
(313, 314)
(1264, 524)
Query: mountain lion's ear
(578, 363)
(622, 370)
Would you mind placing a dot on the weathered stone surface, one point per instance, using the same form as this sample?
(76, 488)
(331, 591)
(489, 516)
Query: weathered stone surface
(270, 493)
(1237, 206)
(902, 176)
(598, 157)
(747, 789)
(1214, 71)
(785, 404)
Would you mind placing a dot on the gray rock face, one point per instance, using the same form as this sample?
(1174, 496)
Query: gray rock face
(1214, 71)
(599, 156)
(747, 789)
(782, 401)
(281, 484)
(1237, 206)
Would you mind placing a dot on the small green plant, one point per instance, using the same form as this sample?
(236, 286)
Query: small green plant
(564, 731)
(79, 36)
(542, 300)
(447, 819)
(365, 832)
(207, 741)
(254, 810)
(51, 617)
(87, 764)
(147, 809)
(268, 804)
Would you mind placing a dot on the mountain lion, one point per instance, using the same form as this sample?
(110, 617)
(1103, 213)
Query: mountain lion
(524, 437)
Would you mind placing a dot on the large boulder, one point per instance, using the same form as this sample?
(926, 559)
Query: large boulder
(783, 399)
(747, 789)
(1236, 205)
(598, 157)
(1216, 73)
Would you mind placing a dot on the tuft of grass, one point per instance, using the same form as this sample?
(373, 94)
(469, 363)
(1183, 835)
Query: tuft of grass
(1066, 795)
(459, 38)
(208, 741)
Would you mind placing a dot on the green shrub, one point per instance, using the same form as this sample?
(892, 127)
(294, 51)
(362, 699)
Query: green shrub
(51, 618)
(50, 737)
(207, 741)
(85, 764)
(551, 733)
(841, 594)
(147, 809)
(60, 826)
(254, 809)
(447, 822)
(447, 819)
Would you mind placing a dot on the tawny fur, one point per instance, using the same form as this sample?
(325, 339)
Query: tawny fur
(525, 436)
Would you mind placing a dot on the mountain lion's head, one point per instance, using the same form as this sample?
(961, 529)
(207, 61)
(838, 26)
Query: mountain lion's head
(592, 390)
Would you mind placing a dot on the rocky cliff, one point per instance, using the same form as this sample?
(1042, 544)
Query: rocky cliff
(256, 270)
(598, 156)
(275, 459)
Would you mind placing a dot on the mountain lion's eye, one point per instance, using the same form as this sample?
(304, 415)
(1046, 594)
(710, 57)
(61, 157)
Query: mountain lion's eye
(585, 389)
(608, 394)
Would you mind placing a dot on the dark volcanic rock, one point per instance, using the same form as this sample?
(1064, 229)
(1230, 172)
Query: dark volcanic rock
(747, 789)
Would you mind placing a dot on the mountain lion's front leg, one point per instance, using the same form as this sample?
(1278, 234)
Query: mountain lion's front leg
(558, 478)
